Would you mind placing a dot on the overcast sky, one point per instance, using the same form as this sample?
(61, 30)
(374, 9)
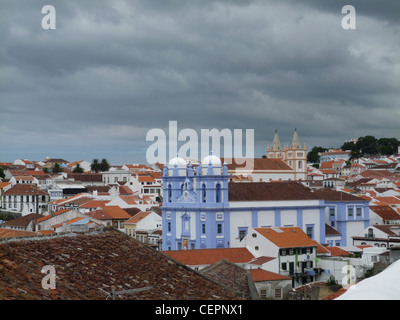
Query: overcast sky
(113, 70)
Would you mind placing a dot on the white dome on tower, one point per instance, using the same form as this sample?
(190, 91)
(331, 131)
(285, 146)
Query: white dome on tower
(181, 165)
(179, 162)
(214, 160)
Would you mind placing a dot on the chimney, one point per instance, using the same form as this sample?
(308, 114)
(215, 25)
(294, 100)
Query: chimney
(95, 193)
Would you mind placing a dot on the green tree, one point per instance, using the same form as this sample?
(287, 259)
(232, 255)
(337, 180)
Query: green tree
(367, 145)
(104, 165)
(349, 146)
(313, 155)
(387, 146)
(95, 166)
(57, 168)
(355, 155)
(78, 169)
(2, 174)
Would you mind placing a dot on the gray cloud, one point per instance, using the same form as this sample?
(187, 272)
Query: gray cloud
(112, 70)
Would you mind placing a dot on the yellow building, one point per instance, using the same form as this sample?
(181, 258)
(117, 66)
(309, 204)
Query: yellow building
(294, 155)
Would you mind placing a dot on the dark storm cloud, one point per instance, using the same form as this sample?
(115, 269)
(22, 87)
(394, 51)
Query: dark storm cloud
(112, 70)
(383, 10)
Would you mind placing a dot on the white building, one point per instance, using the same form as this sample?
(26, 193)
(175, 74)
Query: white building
(143, 225)
(295, 252)
(384, 236)
(25, 199)
(115, 176)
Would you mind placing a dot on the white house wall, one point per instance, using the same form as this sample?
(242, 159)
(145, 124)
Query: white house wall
(265, 247)
(239, 219)
(266, 218)
(288, 218)
(150, 222)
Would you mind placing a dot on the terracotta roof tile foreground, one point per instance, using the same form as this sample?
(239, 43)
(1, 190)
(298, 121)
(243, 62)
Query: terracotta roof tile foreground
(232, 276)
(90, 266)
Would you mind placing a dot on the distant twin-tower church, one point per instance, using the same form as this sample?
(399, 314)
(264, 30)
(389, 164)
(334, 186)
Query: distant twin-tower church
(294, 155)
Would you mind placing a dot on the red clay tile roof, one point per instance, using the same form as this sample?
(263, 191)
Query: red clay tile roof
(326, 165)
(265, 191)
(24, 189)
(54, 214)
(4, 184)
(380, 174)
(259, 275)
(131, 211)
(388, 228)
(287, 237)
(139, 216)
(94, 203)
(333, 195)
(337, 252)
(386, 212)
(26, 172)
(262, 164)
(9, 233)
(22, 221)
(109, 213)
(209, 256)
(125, 190)
(146, 179)
(326, 171)
(261, 260)
(389, 200)
(46, 232)
(329, 231)
(88, 267)
(25, 178)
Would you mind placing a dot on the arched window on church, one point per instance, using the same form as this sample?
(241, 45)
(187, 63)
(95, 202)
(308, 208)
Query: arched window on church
(203, 192)
(218, 193)
(169, 193)
(300, 165)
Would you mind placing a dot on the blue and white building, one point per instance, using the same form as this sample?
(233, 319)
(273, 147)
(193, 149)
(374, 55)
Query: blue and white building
(347, 214)
(333, 154)
(202, 209)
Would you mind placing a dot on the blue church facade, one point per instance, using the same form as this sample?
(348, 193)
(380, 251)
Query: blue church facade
(197, 212)
(194, 205)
